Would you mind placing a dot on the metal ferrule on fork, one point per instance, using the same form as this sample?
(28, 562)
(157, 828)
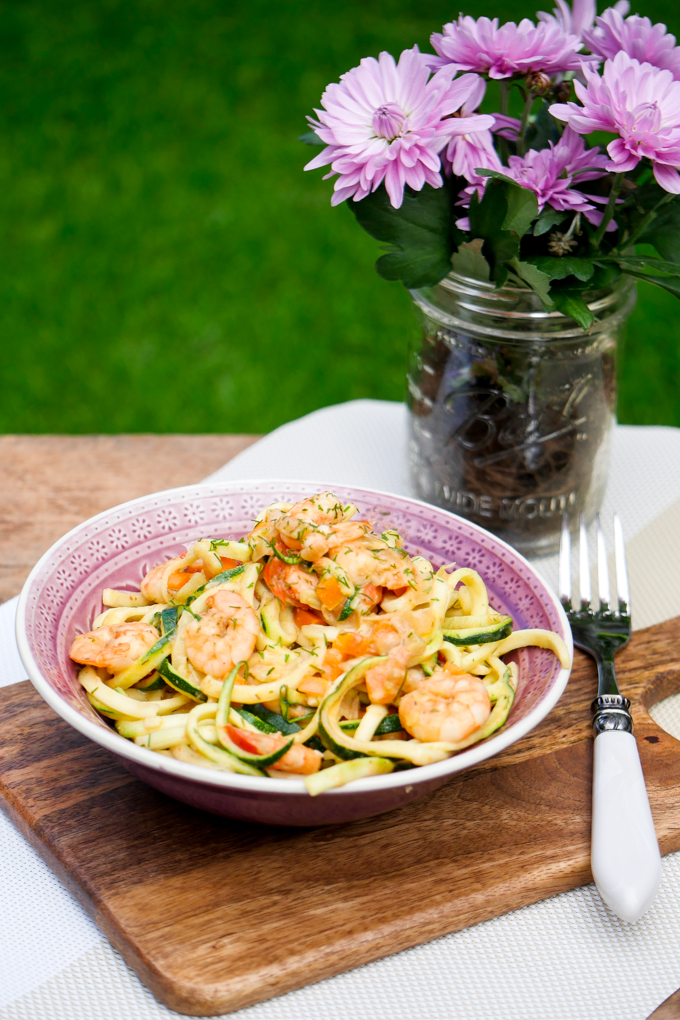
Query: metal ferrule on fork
(611, 712)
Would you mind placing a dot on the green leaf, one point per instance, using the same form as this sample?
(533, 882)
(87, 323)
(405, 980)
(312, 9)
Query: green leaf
(495, 174)
(664, 232)
(537, 280)
(487, 215)
(570, 302)
(522, 204)
(642, 262)
(486, 219)
(549, 218)
(310, 138)
(660, 281)
(559, 268)
(421, 233)
(604, 276)
(469, 261)
(522, 209)
(501, 274)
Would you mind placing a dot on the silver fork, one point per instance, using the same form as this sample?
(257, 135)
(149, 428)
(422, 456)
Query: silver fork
(625, 858)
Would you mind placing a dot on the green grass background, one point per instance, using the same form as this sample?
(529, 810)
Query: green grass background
(166, 264)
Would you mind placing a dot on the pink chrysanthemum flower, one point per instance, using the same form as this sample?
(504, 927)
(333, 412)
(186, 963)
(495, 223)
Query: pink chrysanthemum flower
(638, 102)
(637, 37)
(553, 175)
(387, 122)
(578, 18)
(467, 152)
(480, 45)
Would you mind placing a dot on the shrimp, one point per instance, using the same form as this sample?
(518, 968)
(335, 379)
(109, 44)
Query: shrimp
(445, 707)
(308, 525)
(225, 634)
(384, 681)
(291, 583)
(154, 587)
(298, 758)
(115, 646)
(369, 559)
(399, 638)
(415, 675)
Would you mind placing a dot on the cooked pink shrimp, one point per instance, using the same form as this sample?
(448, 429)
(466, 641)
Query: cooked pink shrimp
(398, 638)
(154, 587)
(225, 634)
(298, 758)
(445, 707)
(308, 525)
(115, 646)
(368, 558)
(384, 681)
(291, 583)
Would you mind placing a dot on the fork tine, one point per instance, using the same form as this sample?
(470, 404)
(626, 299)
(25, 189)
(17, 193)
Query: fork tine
(565, 562)
(621, 568)
(602, 570)
(584, 564)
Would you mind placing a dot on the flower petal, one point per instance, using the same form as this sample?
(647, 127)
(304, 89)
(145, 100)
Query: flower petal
(668, 177)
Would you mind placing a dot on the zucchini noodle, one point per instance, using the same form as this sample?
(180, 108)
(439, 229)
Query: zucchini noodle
(313, 647)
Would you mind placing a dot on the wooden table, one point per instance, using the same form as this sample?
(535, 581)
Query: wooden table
(52, 483)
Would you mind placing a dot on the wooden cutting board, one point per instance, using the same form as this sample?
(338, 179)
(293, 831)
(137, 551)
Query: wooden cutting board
(215, 915)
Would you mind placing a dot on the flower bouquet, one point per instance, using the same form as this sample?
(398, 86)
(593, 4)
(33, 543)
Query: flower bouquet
(511, 174)
(533, 200)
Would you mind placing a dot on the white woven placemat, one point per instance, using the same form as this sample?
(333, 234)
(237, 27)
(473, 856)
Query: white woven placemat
(561, 959)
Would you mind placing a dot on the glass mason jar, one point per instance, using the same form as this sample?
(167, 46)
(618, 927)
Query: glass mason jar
(512, 406)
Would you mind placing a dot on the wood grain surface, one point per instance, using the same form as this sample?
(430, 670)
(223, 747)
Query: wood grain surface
(214, 915)
(669, 1008)
(52, 483)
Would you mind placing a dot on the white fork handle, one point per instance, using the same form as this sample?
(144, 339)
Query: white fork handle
(625, 856)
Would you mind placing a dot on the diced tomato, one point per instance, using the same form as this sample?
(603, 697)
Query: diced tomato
(244, 739)
(352, 645)
(297, 759)
(332, 663)
(314, 685)
(178, 580)
(228, 564)
(304, 617)
(330, 593)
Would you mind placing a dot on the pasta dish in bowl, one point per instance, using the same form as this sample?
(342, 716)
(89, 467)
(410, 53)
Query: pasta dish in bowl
(336, 655)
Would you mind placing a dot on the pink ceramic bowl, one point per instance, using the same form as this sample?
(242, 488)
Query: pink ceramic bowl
(62, 596)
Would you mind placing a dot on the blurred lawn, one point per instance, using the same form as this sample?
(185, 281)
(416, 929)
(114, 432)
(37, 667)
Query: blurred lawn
(166, 265)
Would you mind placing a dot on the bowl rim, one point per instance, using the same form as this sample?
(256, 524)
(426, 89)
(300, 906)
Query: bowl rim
(140, 756)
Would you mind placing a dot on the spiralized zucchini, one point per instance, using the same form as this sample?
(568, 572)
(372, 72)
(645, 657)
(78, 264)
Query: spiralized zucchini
(311, 648)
